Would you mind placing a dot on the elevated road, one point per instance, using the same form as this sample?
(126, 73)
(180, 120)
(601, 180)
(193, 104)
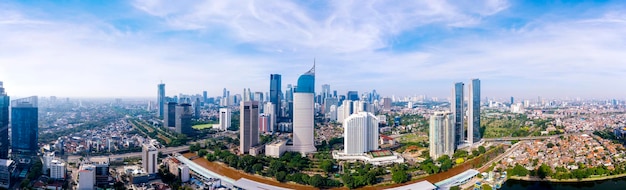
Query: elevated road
(530, 138)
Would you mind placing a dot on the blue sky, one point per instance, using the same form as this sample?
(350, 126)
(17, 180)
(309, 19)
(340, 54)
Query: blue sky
(125, 48)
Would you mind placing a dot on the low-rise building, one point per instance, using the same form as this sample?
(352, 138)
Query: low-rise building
(276, 148)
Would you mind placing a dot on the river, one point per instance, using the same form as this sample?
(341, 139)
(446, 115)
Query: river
(619, 183)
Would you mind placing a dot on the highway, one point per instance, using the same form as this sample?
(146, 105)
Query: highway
(529, 138)
(165, 151)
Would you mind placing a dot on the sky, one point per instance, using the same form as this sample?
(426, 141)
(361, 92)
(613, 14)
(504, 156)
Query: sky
(112, 48)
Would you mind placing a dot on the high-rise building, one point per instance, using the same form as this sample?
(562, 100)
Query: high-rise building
(7, 167)
(303, 113)
(264, 123)
(169, 117)
(442, 134)
(326, 91)
(248, 126)
(512, 100)
(275, 91)
(269, 112)
(352, 95)
(360, 133)
(86, 177)
(149, 158)
(458, 109)
(224, 119)
(183, 119)
(196, 109)
(161, 99)
(57, 169)
(4, 123)
(329, 102)
(205, 97)
(473, 123)
(24, 125)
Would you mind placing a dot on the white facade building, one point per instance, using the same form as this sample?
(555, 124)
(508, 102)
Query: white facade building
(360, 133)
(276, 149)
(183, 171)
(269, 111)
(57, 169)
(441, 136)
(303, 114)
(224, 117)
(87, 177)
(149, 159)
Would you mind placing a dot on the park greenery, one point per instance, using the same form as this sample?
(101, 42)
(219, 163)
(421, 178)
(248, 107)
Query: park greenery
(513, 125)
(289, 167)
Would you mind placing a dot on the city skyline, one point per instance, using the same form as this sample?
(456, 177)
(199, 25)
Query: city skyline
(122, 49)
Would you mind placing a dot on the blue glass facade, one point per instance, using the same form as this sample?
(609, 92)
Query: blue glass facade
(475, 109)
(24, 125)
(306, 82)
(4, 125)
(275, 90)
(458, 109)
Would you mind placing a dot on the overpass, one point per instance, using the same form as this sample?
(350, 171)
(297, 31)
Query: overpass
(529, 138)
(165, 151)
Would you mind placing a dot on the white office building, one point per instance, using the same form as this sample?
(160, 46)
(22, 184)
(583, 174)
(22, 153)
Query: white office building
(57, 169)
(360, 133)
(149, 159)
(87, 177)
(442, 134)
(224, 117)
(303, 114)
(268, 110)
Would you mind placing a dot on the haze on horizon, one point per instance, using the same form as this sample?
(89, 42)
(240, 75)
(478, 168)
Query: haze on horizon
(125, 48)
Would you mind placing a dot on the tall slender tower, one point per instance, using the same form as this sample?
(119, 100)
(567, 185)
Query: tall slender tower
(458, 109)
(24, 125)
(4, 123)
(303, 112)
(248, 126)
(473, 123)
(275, 91)
(161, 99)
(442, 135)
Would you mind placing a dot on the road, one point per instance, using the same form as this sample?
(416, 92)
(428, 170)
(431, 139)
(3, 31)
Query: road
(165, 151)
(530, 138)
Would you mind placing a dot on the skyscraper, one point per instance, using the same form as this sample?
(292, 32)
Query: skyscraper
(224, 119)
(169, 117)
(303, 113)
(326, 91)
(204, 97)
(442, 134)
(458, 109)
(360, 133)
(183, 119)
(161, 99)
(248, 126)
(275, 92)
(353, 95)
(4, 123)
(473, 125)
(24, 125)
(196, 109)
(269, 111)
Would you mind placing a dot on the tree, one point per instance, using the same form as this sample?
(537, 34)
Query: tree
(326, 166)
(370, 177)
(550, 145)
(348, 181)
(482, 149)
(317, 181)
(455, 188)
(258, 168)
(280, 176)
(399, 176)
(202, 152)
(446, 165)
(544, 170)
(519, 170)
